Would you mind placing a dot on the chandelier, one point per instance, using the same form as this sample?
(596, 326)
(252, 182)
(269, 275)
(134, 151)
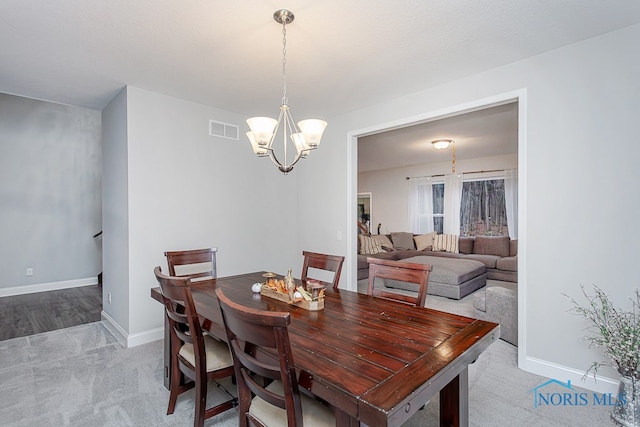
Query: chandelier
(305, 136)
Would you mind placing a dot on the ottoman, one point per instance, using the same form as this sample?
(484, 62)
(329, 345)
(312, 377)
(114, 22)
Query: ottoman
(450, 277)
(499, 305)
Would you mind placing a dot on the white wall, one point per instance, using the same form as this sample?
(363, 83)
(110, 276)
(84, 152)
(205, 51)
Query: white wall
(578, 156)
(115, 213)
(188, 190)
(580, 162)
(50, 174)
(390, 188)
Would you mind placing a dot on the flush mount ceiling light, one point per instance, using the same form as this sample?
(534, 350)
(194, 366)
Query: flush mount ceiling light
(304, 137)
(441, 144)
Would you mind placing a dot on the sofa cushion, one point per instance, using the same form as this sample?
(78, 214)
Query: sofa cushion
(369, 245)
(364, 265)
(489, 261)
(446, 243)
(406, 254)
(491, 245)
(513, 247)
(465, 245)
(402, 241)
(424, 241)
(443, 254)
(509, 263)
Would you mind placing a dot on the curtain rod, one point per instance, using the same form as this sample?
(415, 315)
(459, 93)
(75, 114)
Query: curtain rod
(463, 173)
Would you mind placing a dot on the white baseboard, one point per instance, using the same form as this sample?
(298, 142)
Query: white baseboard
(115, 329)
(132, 340)
(145, 337)
(563, 373)
(43, 287)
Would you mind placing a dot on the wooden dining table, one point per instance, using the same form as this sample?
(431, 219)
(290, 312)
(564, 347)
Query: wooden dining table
(377, 362)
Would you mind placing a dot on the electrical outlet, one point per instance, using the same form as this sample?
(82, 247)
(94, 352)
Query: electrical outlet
(109, 297)
(29, 272)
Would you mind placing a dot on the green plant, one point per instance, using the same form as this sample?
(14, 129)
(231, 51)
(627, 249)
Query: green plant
(618, 331)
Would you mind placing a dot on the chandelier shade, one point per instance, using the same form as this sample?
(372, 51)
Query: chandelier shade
(262, 129)
(305, 136)
(312, 130)
(261, 152)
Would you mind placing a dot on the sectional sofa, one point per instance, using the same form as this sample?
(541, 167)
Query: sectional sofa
(499, 255)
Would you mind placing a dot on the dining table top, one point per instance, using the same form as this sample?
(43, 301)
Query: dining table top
(376, 360)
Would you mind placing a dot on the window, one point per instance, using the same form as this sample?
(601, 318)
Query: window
(438, 207)
(483, 208)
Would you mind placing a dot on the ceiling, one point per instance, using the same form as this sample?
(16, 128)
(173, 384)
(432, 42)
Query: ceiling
(341, 55)
(484, 133)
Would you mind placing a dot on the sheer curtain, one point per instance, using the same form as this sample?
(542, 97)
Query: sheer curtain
(511, 201)
(420, 205)
(452, 200)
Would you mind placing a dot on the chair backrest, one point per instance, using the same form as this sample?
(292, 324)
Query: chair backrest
(322, 262)
(251, 332)
(180, 309)
(402, 272)
(195, 263)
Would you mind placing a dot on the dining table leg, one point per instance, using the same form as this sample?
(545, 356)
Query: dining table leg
(345, 420)
(454, 401)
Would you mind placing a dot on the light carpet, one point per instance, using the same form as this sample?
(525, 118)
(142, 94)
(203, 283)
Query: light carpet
(81, 376)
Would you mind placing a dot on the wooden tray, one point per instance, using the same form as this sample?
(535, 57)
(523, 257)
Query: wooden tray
(316, 305)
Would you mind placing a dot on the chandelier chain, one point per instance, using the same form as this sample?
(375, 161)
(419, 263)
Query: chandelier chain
(285, 101)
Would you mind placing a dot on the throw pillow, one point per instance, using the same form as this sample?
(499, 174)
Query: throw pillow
(424, 241)
(491, 245)
(446, 243)
(402, 241)
(465, 245)
(383, 240)
(369, 246)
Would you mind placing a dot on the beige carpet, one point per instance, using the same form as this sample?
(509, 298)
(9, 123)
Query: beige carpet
(81, 376)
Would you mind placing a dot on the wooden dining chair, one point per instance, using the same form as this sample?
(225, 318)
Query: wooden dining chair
(197, 264)
(403, 272)
(253, 336)
(201, 358)
(318, 261)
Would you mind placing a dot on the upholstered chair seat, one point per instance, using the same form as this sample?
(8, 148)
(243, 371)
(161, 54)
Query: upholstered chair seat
(314, 413)
(217, 354)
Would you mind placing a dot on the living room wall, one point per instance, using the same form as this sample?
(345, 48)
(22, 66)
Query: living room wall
(578, 162)
(390, 189)
(50, 187)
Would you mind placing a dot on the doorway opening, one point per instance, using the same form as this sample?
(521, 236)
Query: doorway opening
(518, 100)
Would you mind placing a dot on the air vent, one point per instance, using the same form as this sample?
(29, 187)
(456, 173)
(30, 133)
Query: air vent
(224, 130)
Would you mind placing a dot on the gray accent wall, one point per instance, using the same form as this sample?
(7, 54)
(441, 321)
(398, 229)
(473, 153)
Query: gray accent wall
(50, 193)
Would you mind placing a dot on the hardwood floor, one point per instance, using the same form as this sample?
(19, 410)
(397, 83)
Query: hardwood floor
(29, 314)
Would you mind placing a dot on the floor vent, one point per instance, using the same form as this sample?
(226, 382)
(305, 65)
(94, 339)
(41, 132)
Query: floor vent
(224, 130)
